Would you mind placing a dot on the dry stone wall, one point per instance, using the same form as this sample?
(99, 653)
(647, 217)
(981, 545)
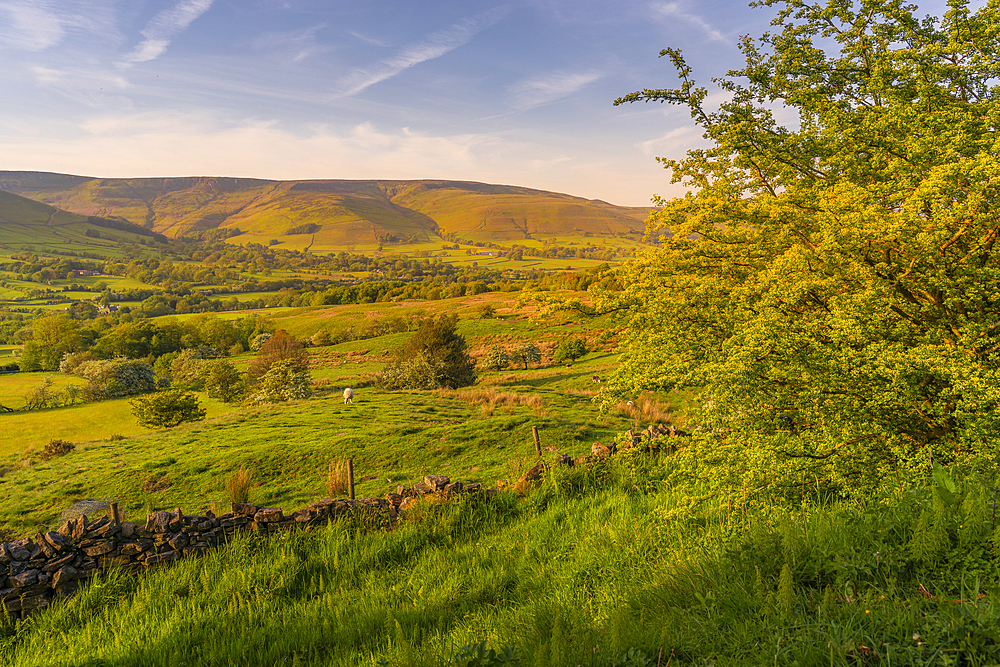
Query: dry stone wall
(53, 564)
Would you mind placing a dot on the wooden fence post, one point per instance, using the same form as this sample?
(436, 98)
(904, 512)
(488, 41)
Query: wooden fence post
(538, 443)
(115, 516)
(350, 477)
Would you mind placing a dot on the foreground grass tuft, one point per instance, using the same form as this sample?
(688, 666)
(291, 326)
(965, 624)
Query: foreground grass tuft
(238, 485)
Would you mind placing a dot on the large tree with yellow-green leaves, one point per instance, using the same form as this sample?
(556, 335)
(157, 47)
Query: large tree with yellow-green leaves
(831, 281)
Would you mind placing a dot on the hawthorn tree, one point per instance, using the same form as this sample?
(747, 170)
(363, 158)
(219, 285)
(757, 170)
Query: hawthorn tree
(495, 359)
(831, 283)
(527, 353)
(571, 348)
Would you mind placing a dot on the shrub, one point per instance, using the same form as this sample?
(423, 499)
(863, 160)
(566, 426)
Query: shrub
(238, 485)
(167, 408)
(72, 360)
(321, 338)
(280, 347)
(421, 372)
(56, 448)
(487, 311)
(258, 341)
(281, 383)
(570, 348)
(185, 369)
(41, 397)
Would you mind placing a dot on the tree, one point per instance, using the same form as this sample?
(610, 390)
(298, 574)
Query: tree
(117, 377)
(526, 354)
(222, 380)
(571, 348)
(282, 382)
(165, 409)
(435, 356)
(51, 338)
(279, 347)
(185, 369)
(832, 286)
(496, 359)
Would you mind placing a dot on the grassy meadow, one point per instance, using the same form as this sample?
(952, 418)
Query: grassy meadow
(624, 564)
(482, 433)
(635, 561)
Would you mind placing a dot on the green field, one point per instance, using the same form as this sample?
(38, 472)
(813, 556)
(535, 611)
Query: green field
(628, 562)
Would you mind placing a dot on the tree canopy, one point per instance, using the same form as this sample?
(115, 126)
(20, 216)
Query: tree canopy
(829, 281)
(434, 356)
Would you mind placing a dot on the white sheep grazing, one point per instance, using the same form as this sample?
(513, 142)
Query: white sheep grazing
(348, 396)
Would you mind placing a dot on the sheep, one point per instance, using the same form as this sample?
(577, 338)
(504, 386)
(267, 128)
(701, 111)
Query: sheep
(595, 379)
(348, 396)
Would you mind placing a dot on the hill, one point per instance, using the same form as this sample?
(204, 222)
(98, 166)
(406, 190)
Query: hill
(332, 214)
(24, 220)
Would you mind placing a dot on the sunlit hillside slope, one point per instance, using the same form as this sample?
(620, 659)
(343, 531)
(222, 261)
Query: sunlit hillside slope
(26, 221)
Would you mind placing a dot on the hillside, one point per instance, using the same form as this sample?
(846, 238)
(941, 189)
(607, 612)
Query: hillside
(24, 220)
(331, 214)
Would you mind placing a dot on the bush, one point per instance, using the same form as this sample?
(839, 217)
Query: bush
(421, 372)
(258, 341)
(167, 408)
(279, 347)
(56, 448)
(72, 360)
(570, 348)
(185, 369)
(281, 383)
(321, 338)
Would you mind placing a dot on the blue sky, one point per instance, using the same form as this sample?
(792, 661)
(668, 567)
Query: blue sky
(517, 93)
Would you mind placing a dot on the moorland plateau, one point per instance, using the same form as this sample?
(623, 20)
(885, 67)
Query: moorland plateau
(332, 215)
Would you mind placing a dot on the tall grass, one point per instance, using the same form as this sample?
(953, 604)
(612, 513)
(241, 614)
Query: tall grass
(488, 399)
(238, 485)
(645, 409)
(336, 480)
(608, 565)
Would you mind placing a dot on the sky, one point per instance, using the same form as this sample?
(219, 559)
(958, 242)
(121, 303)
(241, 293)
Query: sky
(517, 93)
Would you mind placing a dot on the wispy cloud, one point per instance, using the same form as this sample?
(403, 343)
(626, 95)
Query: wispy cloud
(546, 89)
(434, 46)
(371, 41)
(35, 25)
(32, 26)
(162, 28)
(298, 44)
(666, 10)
